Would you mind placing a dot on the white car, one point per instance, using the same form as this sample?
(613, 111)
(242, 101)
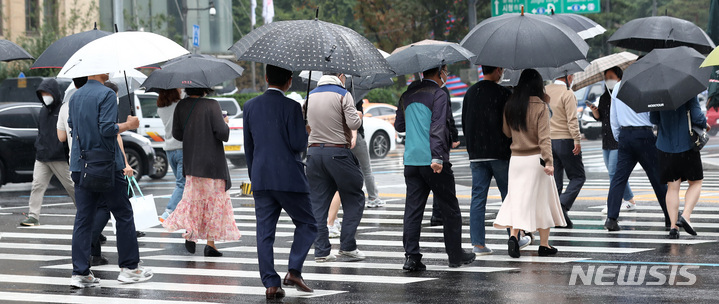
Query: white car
(151, 127)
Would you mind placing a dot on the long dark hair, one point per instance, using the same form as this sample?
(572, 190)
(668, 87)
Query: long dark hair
(530, 84)
(165, 98)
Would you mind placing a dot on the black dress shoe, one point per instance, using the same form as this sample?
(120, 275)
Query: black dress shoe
(98, 260)
(569, 225)
(274, 293)
(513, 247)
(103, 239)
(412, 264)
(212, 252)
(681, 222)
(612, 225)
(674, 233)
(467, 258)
(139, 234)
(190, 246)
(297, 282)
(545, 251)
(435, 221)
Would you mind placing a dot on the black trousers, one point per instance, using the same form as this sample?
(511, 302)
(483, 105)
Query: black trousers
(420, 180)
(566, 161)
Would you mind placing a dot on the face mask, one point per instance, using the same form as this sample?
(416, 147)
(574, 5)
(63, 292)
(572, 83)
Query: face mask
(444, 82)
(47, 100)
(610, 84)
(501, 78)
(183, 95)
(118, 100)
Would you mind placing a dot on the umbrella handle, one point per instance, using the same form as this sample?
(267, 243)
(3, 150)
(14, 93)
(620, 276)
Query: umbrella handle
(129, 97)
(307, 99)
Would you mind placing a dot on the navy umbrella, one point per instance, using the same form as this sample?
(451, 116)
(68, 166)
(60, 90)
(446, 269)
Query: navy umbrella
(192, 71)
(10, 51)
(646, 34)
(664, 79)
(57, 54)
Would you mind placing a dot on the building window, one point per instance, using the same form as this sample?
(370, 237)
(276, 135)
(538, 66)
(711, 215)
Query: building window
(32, 16)
(50, 16)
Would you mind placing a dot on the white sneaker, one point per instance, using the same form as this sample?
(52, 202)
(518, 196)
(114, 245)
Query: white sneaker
(375, 203)
(140, 274)
(338, 225)
(328, 258)
(354, 254)
(334, 232)
(80, 281)
(626, 206)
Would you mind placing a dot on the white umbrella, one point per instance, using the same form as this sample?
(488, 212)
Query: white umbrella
(120, 52)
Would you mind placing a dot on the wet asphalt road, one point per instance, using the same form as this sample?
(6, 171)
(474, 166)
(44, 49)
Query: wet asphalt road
(35, 262)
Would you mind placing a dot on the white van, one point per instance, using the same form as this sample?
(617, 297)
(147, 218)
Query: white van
(152, 128)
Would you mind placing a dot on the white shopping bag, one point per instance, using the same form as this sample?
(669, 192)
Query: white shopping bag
(143, 208)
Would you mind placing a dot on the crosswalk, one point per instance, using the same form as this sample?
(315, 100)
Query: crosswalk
(42, 264)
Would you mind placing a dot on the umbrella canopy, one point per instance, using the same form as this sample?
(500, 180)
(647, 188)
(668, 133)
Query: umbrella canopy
(419, 58)
(583, 26)
(134, 80)
(646, 34)
(192, 71)
(521, 41)
(595, 71)
(311, 45)
(423, 42)
(10, 51)
(57, 54)
(120, 52)
(567, 69)
(664, 79)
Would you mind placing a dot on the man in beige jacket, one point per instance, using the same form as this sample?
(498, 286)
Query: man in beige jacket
(566, 147)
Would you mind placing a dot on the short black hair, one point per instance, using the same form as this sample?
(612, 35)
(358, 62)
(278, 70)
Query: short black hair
(79, 81)
(488, 69)
(112, 86)
(617, 71)
(197, 91)
(433, 71)
(277, 76)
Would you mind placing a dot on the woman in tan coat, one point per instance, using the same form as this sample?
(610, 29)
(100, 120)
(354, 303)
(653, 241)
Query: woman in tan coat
(532, 201)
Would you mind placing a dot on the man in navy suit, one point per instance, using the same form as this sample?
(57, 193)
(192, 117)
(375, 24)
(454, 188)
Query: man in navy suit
(275, 135)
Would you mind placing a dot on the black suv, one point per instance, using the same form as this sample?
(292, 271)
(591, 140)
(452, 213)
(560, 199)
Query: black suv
(18, 130)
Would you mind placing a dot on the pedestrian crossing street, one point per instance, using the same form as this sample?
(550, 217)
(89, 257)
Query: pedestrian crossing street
(42, 256)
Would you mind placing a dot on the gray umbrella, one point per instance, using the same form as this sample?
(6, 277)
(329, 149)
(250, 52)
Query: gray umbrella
(192, 71)
(583, 26)
(567, 69)
(419, 58)
(664, 79)
(521, 41)
(646, 34)
(311, 45)
(10, 51)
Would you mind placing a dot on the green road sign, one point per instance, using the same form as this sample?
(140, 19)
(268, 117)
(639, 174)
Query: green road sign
(500, 7)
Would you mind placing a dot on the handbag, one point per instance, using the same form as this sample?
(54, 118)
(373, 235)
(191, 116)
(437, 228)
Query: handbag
(698, 135)
(98, 168)
(143, 207)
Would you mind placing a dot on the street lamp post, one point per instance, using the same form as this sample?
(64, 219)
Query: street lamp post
(184, 10)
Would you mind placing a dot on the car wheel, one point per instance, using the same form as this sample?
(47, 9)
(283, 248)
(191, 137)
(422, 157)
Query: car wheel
(238, 161)
(379, 145)
(133, 158)
(714, 131)
(160, 165)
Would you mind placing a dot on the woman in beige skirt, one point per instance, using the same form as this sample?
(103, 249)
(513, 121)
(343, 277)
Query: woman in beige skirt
(532, 201)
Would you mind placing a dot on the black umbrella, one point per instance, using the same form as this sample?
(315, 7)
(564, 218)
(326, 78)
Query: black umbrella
(646, 34)
(419, 58)
(567, 69)
(10, 51)
(664, 79)
(519, 41)
(311, 45)
(57, 54)
(192, 71)
(583, 26)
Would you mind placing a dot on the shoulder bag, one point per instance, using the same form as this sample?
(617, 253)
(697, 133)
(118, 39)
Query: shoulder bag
(698, 135)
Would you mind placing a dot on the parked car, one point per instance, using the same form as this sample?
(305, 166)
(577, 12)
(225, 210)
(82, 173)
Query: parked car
(151, 127)
(386, 112)
(380, 136)
(18, 130)
(456, 104)
(590, 127)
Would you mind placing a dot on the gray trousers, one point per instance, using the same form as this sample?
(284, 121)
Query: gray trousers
(330, 170)
(41, 175)
(360, 151)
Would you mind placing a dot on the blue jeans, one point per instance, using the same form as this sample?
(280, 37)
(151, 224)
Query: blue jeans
(610, 160)
(482, 173)
(174, 157)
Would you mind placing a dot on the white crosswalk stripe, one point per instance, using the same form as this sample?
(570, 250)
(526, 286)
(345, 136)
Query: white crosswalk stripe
(379, 238)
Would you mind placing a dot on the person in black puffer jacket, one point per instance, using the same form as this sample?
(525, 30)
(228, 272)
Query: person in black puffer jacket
(51, 154)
